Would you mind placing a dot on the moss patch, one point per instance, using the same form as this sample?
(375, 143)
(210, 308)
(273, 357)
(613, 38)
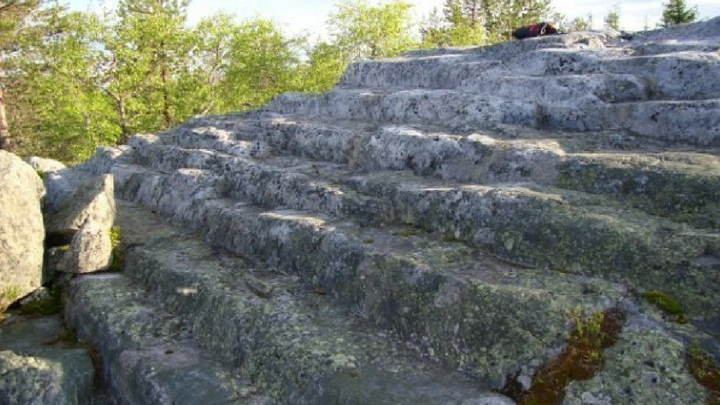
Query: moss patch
(580, 360)
(41, 174)
(118, 252)
(410, 232)
(666, 304)
(49, 306)
(8, 295)
(707, 372)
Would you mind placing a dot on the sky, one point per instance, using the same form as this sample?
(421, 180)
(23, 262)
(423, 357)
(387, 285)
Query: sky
(308, 16)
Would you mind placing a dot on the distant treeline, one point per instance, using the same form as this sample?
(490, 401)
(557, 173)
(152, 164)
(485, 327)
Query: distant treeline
(71, 81)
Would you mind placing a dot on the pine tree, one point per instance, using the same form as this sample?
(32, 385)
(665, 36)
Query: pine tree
(473, 10)
(677, 12)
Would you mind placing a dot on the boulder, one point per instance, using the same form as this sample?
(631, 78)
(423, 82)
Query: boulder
(90, 250)
(44, 165)
(93, 201)
(21, 229)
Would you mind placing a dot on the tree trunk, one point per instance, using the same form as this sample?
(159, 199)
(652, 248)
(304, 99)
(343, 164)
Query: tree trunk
(6, 141)
(124, 129)
(166, 96)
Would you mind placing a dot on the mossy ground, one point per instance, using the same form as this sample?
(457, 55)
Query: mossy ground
(707, 372)
(580, 360)
(45, 307)
(667, 304)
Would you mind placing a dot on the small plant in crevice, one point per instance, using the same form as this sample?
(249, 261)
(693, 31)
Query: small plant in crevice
(50, 305)
(41, 174)
(582, 357)
(667, 304)
(118, 253)
(706, 371)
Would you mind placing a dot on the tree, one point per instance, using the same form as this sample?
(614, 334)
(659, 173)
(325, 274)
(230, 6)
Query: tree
(158, 32)
(364, 31)
(214, 40)
(677, 12)
(260, 64)
(612, 19)
(59, 108)
(13, 17)
(456, 30)
(326, 64)
(503, 17)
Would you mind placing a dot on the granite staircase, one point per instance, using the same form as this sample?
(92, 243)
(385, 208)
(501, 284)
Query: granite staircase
(431, 231)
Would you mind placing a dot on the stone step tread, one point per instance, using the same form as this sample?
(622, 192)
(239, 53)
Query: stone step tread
(347, 183)
(428, 249)
(582, 144)
(450, 269)
(680, 184)
(288, 337)
(659, 119)
(148, 355)
(532, 226)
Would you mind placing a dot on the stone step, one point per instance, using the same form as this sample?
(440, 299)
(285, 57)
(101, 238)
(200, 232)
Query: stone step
(539, 225)
(694, 122)
(40, 363)
(287, 336)
(681, 185)
(551, 74)
(468, 309)
(147, 354)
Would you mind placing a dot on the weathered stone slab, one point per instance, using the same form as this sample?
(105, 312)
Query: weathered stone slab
(92, 201)
(38, 368)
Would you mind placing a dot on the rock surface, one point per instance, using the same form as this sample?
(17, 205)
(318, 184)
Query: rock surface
(38, 368)
(21, 229)
(92, 201)
(452, 210)
(44, 165)
(90, 251)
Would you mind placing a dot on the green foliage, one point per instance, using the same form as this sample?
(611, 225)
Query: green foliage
(75, 81)
(326, 64)
(456, 30)
(261, 64)
(117, 262)
(612, 19)
(363, 31)
(677, 12)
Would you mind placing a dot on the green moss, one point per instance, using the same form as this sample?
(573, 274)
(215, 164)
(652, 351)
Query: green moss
(666, 304)
(368, 241)
(49, 306)
(410, 232)
(118, 252)
(41, 174)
